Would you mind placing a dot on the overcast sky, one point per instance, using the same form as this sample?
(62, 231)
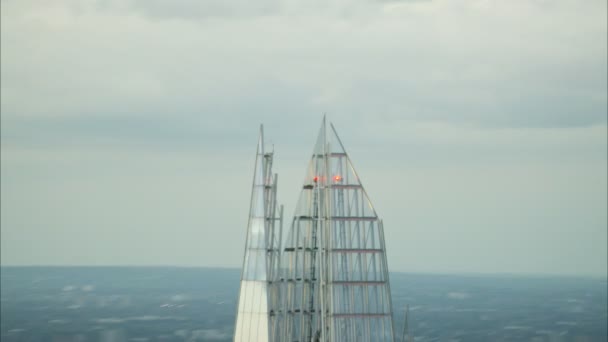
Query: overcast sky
(479, 128)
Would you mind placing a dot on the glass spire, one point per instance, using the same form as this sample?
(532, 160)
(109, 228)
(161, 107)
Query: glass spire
(333, 264)
(260, 262)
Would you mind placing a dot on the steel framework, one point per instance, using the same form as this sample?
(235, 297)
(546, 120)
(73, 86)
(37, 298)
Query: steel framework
(330, 281)
(261, 259)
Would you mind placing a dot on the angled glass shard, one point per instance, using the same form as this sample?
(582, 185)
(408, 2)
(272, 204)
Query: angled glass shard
(334, 275)
(260, 263)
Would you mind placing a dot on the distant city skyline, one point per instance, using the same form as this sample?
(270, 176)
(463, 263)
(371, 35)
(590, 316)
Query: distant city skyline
(479, 129)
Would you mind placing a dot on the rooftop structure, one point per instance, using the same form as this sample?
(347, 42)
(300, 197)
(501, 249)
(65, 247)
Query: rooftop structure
(330, 280)
(260, 262)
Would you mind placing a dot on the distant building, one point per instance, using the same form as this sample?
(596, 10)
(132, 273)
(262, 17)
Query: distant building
(327, 278)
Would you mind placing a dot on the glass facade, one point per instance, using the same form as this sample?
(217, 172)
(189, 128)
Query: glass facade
(330, 280)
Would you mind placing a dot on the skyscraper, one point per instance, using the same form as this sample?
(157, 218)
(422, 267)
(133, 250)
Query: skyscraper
(332, 282)
(260, 262)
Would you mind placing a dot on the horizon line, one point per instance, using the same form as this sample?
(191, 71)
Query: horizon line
(439, 273)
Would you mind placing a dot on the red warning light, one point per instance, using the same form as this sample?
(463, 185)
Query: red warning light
(337, 178)
(315, 179)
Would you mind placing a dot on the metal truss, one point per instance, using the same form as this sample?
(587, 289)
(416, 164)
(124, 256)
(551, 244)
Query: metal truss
(330, 281)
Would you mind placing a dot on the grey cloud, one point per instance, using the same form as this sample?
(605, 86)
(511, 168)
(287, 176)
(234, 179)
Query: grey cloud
(201, 11)
(394, 64)
(473, 117)
(198, 10)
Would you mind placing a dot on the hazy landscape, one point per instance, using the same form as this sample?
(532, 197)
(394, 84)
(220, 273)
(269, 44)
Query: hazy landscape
(199, 304)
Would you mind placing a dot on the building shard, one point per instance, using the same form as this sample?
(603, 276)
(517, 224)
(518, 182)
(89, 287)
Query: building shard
(332, 282)
(260, 262)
